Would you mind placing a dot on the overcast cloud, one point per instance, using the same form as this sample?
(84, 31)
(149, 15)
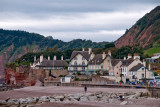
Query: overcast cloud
(97, 20)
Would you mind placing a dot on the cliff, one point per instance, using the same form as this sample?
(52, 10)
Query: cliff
(144, 33)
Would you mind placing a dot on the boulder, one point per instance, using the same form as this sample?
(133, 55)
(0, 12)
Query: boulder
(124, 103)
(13, 101)
(59, 98)
(3, 102)
(44, 99)
(112, 100)
(31, 100)
(99, 96)
(23, 101)
(105, 99)
(92, 98)
(84, 98)
(52, 100)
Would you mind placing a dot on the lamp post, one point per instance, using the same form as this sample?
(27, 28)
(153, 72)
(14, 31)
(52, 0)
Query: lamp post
(95, 66)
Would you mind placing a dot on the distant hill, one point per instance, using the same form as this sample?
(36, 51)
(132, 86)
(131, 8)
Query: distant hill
(145, 33)
(15, 43)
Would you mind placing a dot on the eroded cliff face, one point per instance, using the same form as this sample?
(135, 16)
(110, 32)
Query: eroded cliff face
(132, 38)
(144, 33)
(9, 54)
(25, 76)
(17, 75)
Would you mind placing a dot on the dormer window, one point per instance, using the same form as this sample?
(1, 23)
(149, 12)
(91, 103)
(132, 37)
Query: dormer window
(75, 58)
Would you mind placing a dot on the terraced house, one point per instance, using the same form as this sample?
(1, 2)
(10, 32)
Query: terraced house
(101, 62)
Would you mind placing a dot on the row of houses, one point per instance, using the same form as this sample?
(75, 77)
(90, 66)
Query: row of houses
(86, 62)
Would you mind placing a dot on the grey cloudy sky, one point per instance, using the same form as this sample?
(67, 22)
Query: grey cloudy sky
(97, 20)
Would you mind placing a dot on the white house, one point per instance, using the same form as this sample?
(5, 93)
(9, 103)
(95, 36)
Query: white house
(139, 72)
(79, 61)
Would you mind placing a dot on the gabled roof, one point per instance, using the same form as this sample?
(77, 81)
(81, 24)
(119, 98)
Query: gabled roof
(85, 54)
(97, 59)
(127, 62)
(135, 68)
(49, 63)
(114, 62)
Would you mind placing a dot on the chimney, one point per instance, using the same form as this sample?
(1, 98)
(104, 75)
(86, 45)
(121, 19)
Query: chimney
(55, 58)
(82, 49)
(89, 50)
(48, 57)
(92, 56)
(61, 57)
(41, 58)
(34, 58)
(136, 55)
(109, 53)
(144, 63)
(129, 56)
(103, 55)
(124, 58)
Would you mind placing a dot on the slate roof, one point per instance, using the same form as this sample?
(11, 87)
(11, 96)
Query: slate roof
(49, 63)
(136, 67)
(127, 62)
(85, 54)
(114, 62)
(97, 59)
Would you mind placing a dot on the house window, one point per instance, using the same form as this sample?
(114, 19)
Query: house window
(83, 68)
(142, 75)
(108, 61)
(75, 69)
(83, 63)
(75, 58)
(102, 67)
(83, 58)
(75, 63)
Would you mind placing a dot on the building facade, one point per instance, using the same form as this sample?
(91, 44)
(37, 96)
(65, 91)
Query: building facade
(139, 72)
(100, 62)
(79, 61)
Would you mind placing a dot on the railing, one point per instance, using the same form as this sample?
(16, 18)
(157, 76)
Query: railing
(154, 91)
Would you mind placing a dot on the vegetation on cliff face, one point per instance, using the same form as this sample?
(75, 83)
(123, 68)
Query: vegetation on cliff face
(14, 44)
(144, 33)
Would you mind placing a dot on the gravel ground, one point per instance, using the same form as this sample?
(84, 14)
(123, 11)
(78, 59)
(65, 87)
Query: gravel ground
(52, 90)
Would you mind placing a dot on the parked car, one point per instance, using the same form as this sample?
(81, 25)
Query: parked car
(132, 83)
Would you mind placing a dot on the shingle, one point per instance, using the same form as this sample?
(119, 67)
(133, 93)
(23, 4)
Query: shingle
(97, 59)
(57, 63)
(136, 67)
(114, 62)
